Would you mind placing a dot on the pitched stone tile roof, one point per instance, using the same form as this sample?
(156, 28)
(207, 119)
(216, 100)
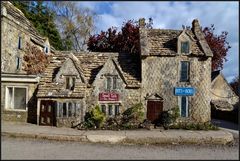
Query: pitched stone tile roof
(164, 42)
(89, 63)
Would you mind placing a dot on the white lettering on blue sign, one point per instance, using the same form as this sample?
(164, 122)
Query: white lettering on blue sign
(184, 91)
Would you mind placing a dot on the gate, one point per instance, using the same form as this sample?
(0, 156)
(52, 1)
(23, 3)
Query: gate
(47, 113)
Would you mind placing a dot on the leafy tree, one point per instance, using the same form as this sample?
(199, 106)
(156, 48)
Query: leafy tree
(113, 41)
(218, 45)
(74, 23)
(42, 19)
(235, 85)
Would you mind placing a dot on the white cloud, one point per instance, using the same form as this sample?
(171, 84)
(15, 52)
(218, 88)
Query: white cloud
(172, 15)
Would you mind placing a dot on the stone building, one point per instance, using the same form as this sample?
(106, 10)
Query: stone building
(18, 87)
(174, 71)
(222, 95)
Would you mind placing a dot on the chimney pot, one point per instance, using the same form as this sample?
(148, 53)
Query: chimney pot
(142, 22)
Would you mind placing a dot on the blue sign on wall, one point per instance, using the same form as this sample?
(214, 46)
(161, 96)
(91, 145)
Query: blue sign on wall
(184, 91)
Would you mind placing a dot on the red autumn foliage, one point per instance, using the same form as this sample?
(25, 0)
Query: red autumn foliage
(218, 45)
(113, 41)
(128, 41)
(235, 85)
(35, 61)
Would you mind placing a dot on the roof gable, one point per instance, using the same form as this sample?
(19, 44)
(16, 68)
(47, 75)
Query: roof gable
(71, 66)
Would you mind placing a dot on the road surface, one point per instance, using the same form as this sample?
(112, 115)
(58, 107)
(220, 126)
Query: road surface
(19, 148)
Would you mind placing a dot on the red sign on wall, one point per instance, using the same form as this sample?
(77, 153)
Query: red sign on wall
(108, 97)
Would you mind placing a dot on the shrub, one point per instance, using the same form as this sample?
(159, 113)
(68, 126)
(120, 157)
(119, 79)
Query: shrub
(94, 118)
(169, 117)
(133, 115)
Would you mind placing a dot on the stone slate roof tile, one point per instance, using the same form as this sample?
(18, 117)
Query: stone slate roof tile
(164, 42)
(90, 63)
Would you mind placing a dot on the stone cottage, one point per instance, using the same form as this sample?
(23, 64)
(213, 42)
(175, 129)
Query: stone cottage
(222, 95)
(174, 71)
(18, 87)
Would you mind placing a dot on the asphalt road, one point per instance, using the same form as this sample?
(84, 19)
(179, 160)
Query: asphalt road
(18, 148)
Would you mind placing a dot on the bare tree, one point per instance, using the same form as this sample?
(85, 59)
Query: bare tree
(74, 23)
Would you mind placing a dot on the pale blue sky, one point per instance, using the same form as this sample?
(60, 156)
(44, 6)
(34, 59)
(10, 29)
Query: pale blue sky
(172, 15)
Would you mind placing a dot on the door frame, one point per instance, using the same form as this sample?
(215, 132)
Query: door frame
(47, 114)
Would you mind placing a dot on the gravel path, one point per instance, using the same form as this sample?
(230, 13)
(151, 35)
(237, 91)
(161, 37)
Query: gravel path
(16, 148)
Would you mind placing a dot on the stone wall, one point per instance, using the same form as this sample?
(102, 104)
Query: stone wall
(161, 74)
(127, 96)
(29, 115)
(10, 32)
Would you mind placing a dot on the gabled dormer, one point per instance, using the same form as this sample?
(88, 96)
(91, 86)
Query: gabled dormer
(184, 43)
(70, 73)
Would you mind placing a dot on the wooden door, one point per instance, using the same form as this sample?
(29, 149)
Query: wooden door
(47, 113)
(154, 110)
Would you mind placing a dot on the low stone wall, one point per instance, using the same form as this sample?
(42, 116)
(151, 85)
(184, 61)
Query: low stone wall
(20, 116)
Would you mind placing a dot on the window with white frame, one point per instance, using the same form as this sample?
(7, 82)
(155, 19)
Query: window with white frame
(16, 98)
(68, 109)
(46, 49)
(183, 105)
(70, 82)
(111, 83)
(110, 109)
(185, 47)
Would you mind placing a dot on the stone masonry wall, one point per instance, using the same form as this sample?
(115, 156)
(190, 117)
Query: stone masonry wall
(9, 45)
(161, 74)
(128, 96)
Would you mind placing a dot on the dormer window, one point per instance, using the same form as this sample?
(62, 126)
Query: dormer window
(111, 83)
(185, 47)
(70, 83)
(46, 49)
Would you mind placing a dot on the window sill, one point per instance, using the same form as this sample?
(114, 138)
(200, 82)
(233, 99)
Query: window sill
(15, 110)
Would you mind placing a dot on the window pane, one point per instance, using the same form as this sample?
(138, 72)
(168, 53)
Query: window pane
(110, 112)
(10, 97)
(69, 109)
(103, 109)
(73, 83)
(60, 109)
(20, 98)
(18, 62)
(184, 47)
(183, 107)
(116, 109)
(114, 83)
(67, 83)
(184, 71)
(108, 83)
(19, 42)
(64, 109)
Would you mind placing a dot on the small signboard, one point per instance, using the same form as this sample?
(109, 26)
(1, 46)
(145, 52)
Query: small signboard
(184, 91)
(108, 96)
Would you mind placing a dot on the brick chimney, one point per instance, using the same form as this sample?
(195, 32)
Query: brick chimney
(142, 22)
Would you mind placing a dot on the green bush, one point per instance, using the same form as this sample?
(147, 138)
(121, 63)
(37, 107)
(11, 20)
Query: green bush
(133, 115)
(94, 118)
(169, 117)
